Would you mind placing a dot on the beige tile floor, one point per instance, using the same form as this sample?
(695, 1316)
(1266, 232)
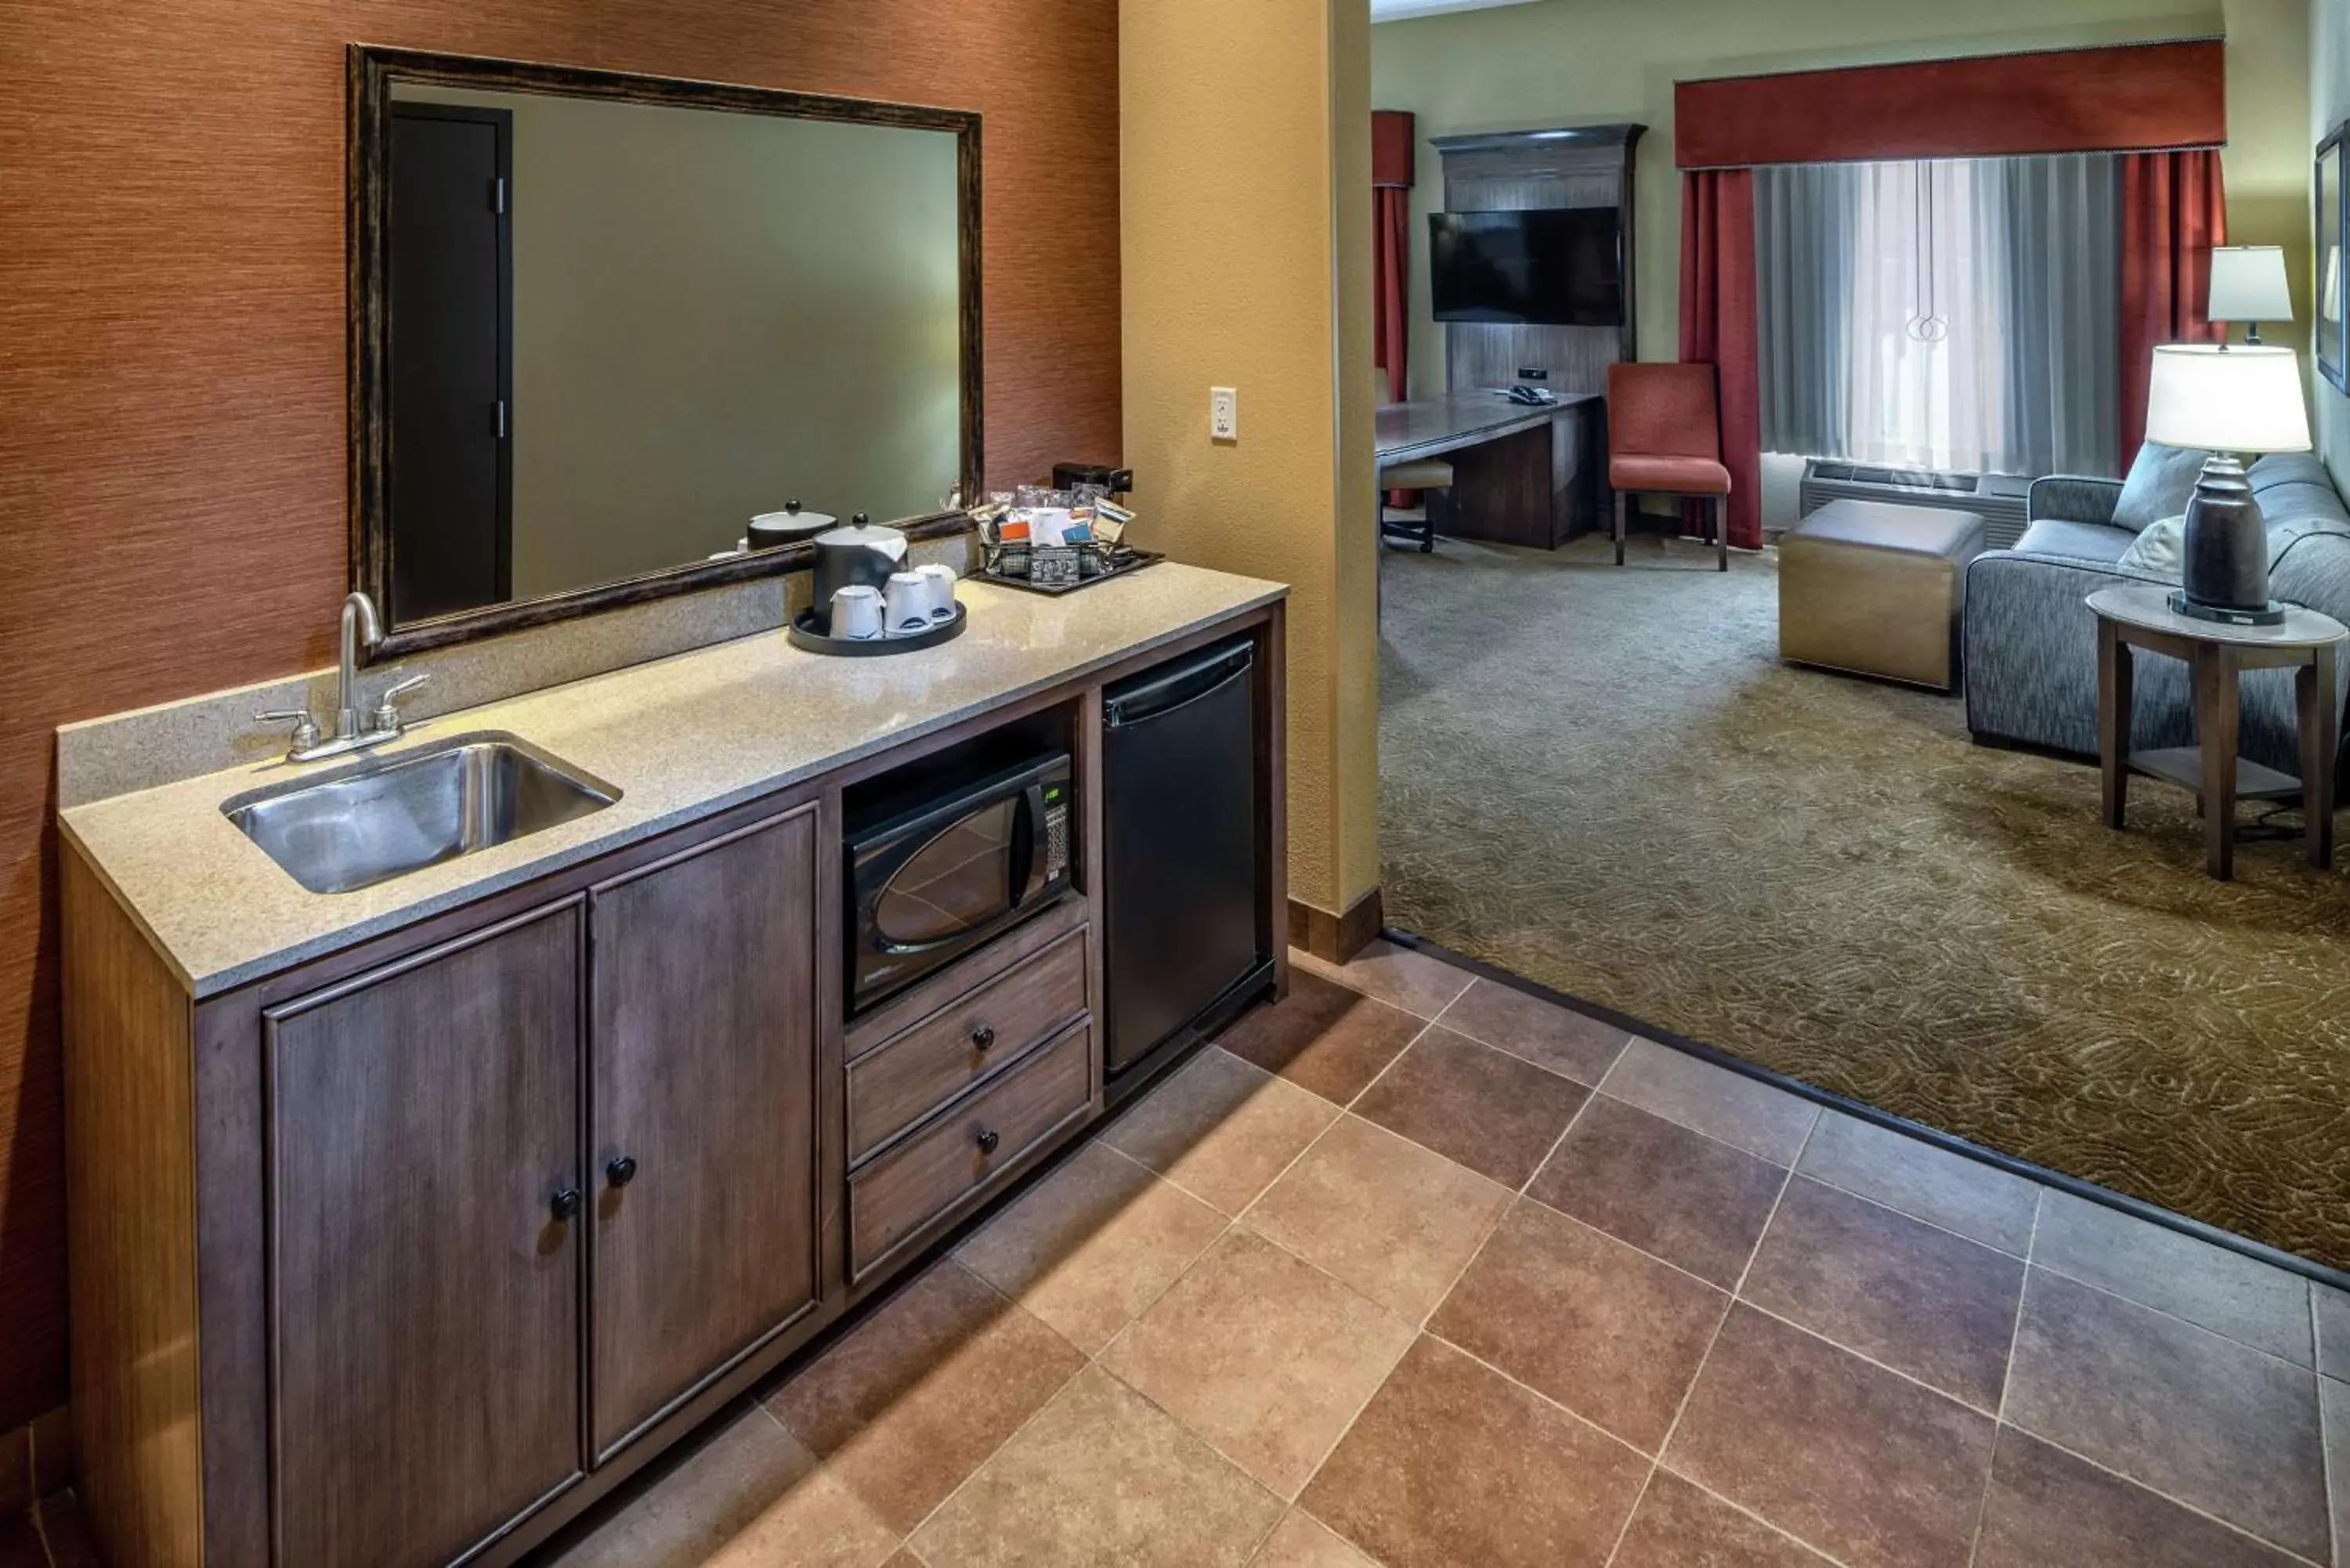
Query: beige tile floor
(1417, 1270)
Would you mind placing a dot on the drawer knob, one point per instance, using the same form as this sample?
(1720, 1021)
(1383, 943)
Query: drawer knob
(988, 1140)
(565, 1205)
(622, 1170)
(983, 1036)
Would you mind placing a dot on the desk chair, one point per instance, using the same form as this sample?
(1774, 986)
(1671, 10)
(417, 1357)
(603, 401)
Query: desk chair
(1664, 438)
(1424, 473)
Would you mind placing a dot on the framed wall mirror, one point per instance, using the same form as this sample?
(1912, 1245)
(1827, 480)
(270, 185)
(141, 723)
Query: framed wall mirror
(599, 321)
(2333, 236)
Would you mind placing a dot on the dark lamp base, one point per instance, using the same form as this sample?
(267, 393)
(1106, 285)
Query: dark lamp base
(2224, 550)
(2270, 613)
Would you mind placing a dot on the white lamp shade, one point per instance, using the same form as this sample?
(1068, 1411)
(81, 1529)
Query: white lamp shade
(2248, 284)
(2221, 398)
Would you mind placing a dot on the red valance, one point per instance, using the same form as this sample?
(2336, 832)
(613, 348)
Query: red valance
(2135, 98)
(1392, 150)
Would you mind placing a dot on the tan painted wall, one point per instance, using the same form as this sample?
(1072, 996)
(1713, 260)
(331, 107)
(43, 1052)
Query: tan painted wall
(713, 314)
(2329, 106)
(1245, 254)
(1568, 62)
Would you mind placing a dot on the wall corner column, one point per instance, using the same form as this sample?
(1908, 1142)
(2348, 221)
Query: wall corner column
(1245, 261)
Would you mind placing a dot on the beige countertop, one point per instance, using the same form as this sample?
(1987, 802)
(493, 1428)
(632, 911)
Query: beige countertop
(682, 738)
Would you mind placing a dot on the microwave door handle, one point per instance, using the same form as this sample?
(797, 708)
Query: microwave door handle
(1024, 823)
(882, 944)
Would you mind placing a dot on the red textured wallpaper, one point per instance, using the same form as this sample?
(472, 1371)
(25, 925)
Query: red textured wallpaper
(171, 369)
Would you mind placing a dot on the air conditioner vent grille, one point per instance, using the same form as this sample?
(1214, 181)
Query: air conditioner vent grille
(1999, 497)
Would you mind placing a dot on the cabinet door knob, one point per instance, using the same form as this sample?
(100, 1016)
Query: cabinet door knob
(983, 1036)
(622, 1170)
(988, 1140)
(565, 1205)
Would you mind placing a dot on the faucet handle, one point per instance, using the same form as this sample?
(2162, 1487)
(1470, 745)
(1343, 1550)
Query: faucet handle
(387, 713)
(306, 728)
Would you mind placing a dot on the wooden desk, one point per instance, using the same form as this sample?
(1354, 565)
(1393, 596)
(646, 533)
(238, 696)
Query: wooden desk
(1521, 475)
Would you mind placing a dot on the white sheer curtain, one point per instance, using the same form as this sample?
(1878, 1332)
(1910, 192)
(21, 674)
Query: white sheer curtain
(1961, 314)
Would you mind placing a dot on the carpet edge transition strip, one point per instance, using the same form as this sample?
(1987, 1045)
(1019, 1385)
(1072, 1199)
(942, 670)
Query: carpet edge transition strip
(2061, 1181)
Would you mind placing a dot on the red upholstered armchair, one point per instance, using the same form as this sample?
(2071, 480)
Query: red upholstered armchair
(1664, 438)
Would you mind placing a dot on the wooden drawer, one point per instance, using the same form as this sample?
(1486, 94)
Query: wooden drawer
(967, 1041)
(962, 1149)
(873, 1030)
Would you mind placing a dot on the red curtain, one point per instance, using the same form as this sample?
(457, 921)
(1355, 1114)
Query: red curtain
(2115, 99)
(1392, 151)
(1718, 327)
(1391, 285)
(2174, 210)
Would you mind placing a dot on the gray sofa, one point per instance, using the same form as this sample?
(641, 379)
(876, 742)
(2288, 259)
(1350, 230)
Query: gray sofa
(2032, 645)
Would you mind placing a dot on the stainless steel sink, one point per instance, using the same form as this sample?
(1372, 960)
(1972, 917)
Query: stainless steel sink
(398, 813)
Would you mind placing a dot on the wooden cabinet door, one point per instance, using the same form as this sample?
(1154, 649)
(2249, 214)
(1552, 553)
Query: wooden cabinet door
(424, 1290)
(703, 1121)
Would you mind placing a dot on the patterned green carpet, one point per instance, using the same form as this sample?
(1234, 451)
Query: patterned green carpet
(1604, 780)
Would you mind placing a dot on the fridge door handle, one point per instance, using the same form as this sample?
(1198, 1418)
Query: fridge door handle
(1235, 664)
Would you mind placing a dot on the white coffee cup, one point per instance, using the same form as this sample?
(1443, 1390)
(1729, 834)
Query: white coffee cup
(856, 613)
(941, 581)
(906, 603)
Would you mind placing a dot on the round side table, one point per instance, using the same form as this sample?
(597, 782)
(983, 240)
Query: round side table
(2140, 617)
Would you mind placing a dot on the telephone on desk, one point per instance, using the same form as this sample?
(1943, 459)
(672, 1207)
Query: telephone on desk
(1532, 397)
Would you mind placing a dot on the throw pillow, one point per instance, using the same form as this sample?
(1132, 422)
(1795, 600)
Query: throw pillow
(2158, 551)
(2160, 483)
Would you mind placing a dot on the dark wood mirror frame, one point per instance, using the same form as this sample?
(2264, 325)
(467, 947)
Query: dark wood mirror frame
(373, 70)
(2332, 167)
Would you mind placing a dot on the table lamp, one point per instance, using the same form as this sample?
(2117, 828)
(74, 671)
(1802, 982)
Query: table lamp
(2226, 400)
(2247, 285)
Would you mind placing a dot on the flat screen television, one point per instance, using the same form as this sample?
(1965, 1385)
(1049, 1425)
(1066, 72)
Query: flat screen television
(1556, 266)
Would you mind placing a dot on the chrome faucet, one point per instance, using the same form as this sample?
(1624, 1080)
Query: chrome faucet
(361, 628)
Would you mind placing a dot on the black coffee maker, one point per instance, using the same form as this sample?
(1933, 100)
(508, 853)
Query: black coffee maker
(1115, 482)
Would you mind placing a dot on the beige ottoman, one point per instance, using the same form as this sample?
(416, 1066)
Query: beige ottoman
(1876, 589)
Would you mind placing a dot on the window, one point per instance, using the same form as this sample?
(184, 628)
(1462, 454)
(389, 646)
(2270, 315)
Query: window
(1960, 314)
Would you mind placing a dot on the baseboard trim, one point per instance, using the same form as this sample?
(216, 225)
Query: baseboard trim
(1337, 938)
(2138, 1208)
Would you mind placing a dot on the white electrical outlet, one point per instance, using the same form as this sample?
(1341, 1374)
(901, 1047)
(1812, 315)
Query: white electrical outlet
(1224, 415)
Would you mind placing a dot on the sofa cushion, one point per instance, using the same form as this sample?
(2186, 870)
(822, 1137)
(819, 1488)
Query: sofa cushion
(2091, 542)
(2294, 486)
(2159, 551)
(2159, 482)
(1669, 475)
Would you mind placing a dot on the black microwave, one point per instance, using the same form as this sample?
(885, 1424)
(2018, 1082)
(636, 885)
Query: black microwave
(945, 863)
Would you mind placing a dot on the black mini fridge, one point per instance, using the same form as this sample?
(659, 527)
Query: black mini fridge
(1184, 887)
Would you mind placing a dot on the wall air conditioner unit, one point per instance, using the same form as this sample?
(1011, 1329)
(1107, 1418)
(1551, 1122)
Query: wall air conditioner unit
(1999, 497)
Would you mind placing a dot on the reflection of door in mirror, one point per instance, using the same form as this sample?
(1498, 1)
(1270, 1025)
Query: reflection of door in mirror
(705, 315)
(451, 358)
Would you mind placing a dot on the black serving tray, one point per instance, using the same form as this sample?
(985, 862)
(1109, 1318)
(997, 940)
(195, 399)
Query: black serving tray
(803, 633)
(1127, 561)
